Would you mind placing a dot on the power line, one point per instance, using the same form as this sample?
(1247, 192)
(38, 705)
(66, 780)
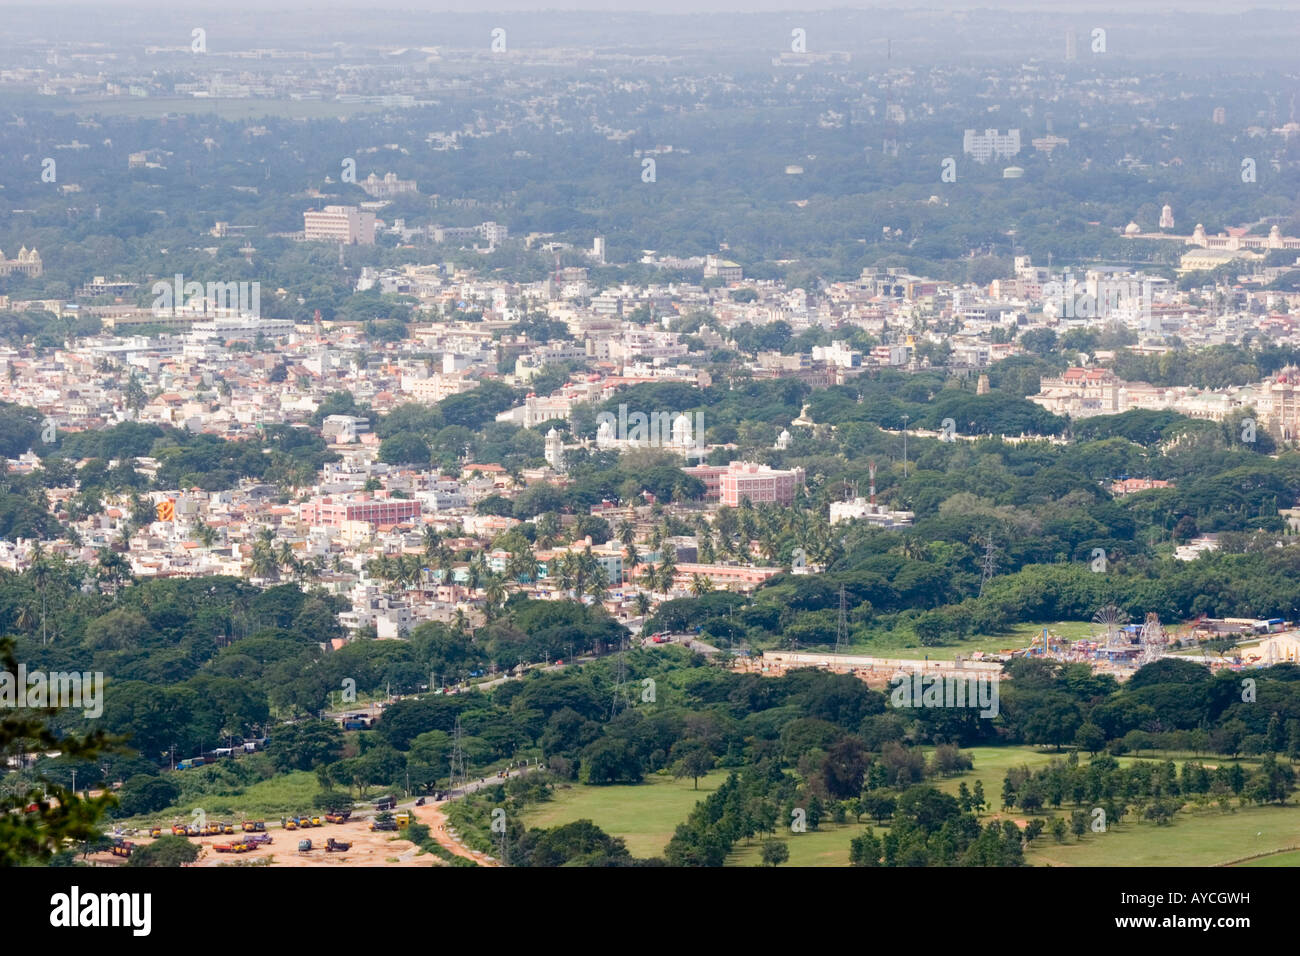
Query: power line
(620, 679)
(988, 565)
(458, 776)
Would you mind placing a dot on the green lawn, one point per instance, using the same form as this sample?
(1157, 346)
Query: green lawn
(1291, 858)
(268, 799)
(645, 815)
(828, 845)
(904, 644)
(1195, 838)
(991, 766)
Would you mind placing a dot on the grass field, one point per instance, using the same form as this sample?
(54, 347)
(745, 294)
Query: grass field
(828, 845)
(1196, 838)
(1291, 858)
(905, 644)
(645, 815)
(269, 799)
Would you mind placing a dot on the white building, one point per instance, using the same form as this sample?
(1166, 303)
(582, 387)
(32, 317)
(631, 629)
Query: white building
(991, 144)
(346, 224)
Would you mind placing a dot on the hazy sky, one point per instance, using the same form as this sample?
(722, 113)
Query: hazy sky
(665, 6)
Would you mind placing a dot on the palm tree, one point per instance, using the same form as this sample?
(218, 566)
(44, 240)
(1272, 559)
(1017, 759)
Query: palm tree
(522, 564)
(459, 622)
(206, 534)
(40, 571)
(476, 571)
(588, 566)
(431, 539)
(667, 570)
(264, 563)
(650, 577)
(700, 585)
(298, 570)
(642, 601)
(548, 529)
(626, 533)
(411, 568)
(656, 537)
(570, 570)
(495, 592)
(598, 584)
(112, 569)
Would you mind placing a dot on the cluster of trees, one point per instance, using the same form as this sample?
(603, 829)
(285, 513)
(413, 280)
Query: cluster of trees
(1150, 790)
(932, 828)
(282, 454)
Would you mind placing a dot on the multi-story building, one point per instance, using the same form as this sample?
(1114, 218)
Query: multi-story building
(346, 224)
(28, 263)
(742, 480)
(724, 269)
(1080, 392)
(334, 512)
(991, 144)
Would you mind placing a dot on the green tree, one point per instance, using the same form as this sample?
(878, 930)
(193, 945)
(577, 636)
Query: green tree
(166, 851)
(775, 852)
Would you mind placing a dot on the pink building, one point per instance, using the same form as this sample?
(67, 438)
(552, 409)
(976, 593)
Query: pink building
(723, 576)
(334, 512)
(760, 484)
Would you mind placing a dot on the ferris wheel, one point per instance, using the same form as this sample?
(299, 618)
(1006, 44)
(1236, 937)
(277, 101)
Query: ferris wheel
(1108, 626)
(1153, 639)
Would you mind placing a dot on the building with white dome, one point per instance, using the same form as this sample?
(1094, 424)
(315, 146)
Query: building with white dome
(28, 263)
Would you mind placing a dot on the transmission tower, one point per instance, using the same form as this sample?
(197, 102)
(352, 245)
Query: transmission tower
(620, 679)
(989, 563)
(842, 626)
(458, 777)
